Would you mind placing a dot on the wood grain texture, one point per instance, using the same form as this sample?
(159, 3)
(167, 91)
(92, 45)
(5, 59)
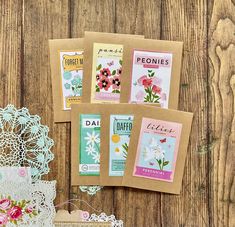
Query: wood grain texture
(221, 112)
(207, 89)
(187, 21)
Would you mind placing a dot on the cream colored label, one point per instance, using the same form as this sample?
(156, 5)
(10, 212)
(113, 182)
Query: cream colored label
(106, 73)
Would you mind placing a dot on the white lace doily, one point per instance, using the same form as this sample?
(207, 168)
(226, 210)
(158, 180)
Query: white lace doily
(24, 141)
(91, 190)
(105, 218)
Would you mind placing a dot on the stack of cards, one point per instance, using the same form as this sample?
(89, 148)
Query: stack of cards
(120, 93)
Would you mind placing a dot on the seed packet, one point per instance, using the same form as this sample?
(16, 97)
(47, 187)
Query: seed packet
(103, 66)
(152, 72)
(157, 149)
(85, 144)
(66, 59)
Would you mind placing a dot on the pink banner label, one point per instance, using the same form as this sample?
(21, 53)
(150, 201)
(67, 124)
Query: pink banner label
(107, 96)
(153, 173)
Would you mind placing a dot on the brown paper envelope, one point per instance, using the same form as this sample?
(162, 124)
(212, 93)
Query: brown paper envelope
(159, 46)
(98, 37)
(152, 184)
(55, 46)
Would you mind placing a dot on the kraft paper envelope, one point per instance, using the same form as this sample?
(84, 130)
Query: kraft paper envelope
(66, 61)
(103, 66)
(157, 149)
(152, 72)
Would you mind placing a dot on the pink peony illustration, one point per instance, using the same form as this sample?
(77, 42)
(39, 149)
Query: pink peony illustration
(147, 82)
(156, 81)
(5, 204)
(85, 215)
(15, 213)
(140, 95)
(140, 80)
(3, 219)
(156, 89)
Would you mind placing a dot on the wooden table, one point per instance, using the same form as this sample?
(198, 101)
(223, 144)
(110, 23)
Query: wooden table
(207, 28)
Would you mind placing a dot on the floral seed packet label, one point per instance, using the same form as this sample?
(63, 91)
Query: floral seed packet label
(89, 145)
(157, 149)
(152, 72)
(151, 77)
(120, 130)
(71, 64)
(66, 63)
(106, 72)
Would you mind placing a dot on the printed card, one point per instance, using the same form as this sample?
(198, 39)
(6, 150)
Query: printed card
(151, 77)
(86, 134)
(103, 74)
(71, 65)
(66, 61)
(157, 149)
(152, 72)
(89, 145)
(120, 131)
(106, 72)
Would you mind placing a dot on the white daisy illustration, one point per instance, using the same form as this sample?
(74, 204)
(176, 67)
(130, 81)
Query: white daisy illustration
(90, 149)
(92, 138)
(96, 157)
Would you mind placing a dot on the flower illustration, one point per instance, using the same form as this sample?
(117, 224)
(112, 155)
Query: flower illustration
(92, 138)
(151, 88)
(116, 82)
(140, 80)
(98, 77)
(140, 95)
(96, 157)
(119, 71)
(147, 82)
(67, 86)
(3, 219)
(105, 72)
(156, 89)
(155, 152)
(90, 149)
(15, 213)
(29, 209)
(5, 204)
(104, 83)
(22, 172)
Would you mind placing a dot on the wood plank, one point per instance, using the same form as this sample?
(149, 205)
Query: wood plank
(11, 52)
(138, 17)
(187, 21)
(92, 15)
(221, 112)
(44, 20)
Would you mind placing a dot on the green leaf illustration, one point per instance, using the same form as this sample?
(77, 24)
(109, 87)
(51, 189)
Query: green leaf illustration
(149, 71)
(152, 74)
(165, 163)
(97, 89)
(120, 62)
(113, 72)
(98, 67)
